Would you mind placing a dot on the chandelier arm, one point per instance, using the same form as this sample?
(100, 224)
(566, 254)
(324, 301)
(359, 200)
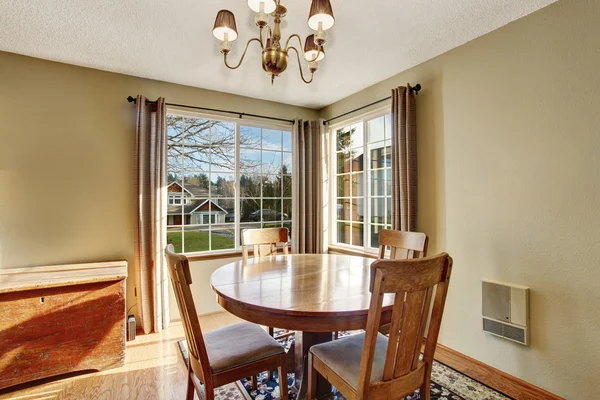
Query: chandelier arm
(243, 54)
(287, 42)
(301, 47)
(269, 34)
(260, 37)
(312, 74)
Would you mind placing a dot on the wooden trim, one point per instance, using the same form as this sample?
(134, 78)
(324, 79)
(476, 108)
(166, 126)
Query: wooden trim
(19, 279)
(351, 252)
(490, 376)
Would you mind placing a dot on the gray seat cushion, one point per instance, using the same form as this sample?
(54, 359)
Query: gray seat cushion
(343, 356)
(239, 344)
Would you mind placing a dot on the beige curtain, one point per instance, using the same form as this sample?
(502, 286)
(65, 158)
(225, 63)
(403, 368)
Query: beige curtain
(150, 219)
(404, 159)
(307, 207)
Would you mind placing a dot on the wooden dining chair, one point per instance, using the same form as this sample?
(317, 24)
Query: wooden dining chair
(264, 241)
(403, 245)
(224, 355)
(371, 366)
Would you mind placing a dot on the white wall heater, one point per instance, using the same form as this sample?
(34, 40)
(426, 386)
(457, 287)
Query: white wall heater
(505, 311)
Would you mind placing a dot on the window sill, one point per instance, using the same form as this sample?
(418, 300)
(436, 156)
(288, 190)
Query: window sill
(216, 256)
(352, 251)
(213, 256)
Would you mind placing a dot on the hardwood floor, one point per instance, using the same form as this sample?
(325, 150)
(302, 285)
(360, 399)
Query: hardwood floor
(153, 370)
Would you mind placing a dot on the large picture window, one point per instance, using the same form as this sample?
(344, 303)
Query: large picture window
(224, 177)
(362, 193)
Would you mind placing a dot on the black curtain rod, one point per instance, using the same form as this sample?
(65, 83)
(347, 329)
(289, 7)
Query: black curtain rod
(239, 114)
(415, 89)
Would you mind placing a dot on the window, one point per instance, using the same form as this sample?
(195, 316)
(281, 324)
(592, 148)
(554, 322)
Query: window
(176, 199)
(362, 193)
(223, 177)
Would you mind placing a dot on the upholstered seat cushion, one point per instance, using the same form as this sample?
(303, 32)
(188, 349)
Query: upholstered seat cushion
(343, 356)
(239, 344)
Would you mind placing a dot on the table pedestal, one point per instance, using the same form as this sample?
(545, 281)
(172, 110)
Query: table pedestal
(303, 342)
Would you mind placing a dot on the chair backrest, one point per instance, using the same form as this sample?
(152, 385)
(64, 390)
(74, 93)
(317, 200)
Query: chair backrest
(413, 283)
(403, 245)
(181, 278)
(264, 241)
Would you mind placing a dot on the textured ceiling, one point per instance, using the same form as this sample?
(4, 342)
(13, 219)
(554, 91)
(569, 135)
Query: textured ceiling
(171, 40)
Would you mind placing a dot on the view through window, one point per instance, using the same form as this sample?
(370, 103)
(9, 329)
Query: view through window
(224, 177)
(363, 182)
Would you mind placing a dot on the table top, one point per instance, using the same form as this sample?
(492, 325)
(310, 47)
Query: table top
(313, 287)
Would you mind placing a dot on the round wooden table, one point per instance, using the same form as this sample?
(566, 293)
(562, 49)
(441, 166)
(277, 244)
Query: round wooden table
(314, 294)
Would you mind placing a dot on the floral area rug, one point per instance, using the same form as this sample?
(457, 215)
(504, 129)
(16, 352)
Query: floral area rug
(446, 384)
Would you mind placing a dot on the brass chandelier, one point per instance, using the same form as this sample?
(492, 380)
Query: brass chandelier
(274, 55)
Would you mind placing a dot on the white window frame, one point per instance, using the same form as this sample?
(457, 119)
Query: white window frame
(362, 118)
(238, 122)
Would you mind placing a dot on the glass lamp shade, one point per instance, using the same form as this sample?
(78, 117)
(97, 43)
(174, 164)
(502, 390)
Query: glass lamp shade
(311, 50)
(270, 5)
(320, 11)
(225, 23)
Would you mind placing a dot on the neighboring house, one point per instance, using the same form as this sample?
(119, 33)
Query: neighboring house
(197, 209)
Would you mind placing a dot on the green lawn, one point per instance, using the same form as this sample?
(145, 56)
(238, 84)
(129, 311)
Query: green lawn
(198, 241)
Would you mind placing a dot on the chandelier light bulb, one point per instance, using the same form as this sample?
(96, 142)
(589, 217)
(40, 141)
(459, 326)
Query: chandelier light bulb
(269, 5)
(225, 26)
(311, 50)
(321, 15)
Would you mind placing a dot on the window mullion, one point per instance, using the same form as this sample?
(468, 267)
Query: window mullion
(332, 186)
(183, 125)
(237, 194)
(210, 157)
(365, 187)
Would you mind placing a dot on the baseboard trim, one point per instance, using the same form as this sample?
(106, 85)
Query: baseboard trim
(492, 377)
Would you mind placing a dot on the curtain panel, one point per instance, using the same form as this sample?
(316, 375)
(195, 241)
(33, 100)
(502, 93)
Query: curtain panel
(307, 207)
(404, 159)
(150, 184)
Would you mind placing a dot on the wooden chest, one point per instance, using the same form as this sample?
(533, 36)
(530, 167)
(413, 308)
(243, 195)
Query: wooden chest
(60, 319)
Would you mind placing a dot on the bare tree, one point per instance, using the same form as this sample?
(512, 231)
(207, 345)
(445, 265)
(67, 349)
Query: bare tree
(193, 143)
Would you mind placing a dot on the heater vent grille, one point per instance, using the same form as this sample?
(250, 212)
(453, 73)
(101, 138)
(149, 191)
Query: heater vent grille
(510, 332)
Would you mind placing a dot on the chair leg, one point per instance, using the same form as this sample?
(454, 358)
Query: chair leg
(283, 380)
(191, 389)
(312, 378)
(425, 390)
(254, 382)
(272, 334)
(209, 392)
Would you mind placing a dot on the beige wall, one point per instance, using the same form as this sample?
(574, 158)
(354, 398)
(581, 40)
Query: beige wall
(509, 175)
(66, 155)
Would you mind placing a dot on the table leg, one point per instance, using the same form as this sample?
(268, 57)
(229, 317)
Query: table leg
(303, 342)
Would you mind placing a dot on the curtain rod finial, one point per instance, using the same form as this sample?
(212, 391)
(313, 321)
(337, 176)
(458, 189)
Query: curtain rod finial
(131, 99)
(416, 88)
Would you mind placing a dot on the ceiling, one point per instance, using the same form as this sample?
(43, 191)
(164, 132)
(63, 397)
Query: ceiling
(171, 40)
